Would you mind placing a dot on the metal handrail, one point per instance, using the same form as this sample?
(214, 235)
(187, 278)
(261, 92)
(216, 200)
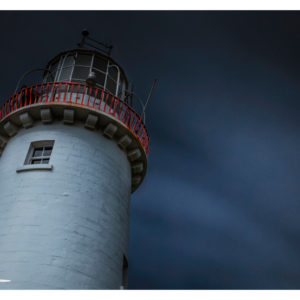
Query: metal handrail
(81, 95)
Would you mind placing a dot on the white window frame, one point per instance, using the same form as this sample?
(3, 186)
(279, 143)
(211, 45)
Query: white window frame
(39, 144)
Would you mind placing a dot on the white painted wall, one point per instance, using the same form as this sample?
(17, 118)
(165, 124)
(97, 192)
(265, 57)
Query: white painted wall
(67, 227)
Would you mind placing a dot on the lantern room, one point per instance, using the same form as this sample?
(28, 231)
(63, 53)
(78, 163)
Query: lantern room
(90, 67)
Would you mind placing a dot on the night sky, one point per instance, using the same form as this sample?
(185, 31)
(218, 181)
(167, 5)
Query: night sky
(219, 207)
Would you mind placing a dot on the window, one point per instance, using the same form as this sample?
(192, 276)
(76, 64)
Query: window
(80, 72)
(39, 153)
(100, 63)
(66, 67)
(51, 74)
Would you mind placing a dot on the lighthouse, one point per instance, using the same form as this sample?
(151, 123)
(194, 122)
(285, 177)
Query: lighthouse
(73, 148)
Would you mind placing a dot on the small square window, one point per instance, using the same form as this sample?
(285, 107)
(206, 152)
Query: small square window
(39, 153)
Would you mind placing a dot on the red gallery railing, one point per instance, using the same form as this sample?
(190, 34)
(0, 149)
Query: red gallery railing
(80, 95)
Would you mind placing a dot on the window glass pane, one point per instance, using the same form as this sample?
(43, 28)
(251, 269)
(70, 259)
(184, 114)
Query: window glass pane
(80, 72)
(100, 77)
(84, 59)
(37, 152)
(65, 74)
(50, 76)
(100, 63)
(53, 66)
(69, 61)
(36, 161)
(47, 151)
(120, 90)
(52, 71)
(113, 73)
(111, 85)
(45, 161)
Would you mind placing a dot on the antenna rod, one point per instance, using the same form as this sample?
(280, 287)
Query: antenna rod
(100, 43)
(153, 86)
(85, 34)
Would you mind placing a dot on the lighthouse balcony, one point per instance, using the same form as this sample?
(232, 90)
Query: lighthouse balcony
(76, 95)
(76, 103)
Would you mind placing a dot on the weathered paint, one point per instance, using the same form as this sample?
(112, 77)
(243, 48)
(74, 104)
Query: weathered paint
(65, 228)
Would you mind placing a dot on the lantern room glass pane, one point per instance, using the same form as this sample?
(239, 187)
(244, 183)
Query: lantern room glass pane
(111, 85)
(100, 77)
(100, 63)
(65, 74)
(81, 72)
(84, 60)
(50, 76)
(53, 67)
(69, 61)
(113, 73)
(120, 90)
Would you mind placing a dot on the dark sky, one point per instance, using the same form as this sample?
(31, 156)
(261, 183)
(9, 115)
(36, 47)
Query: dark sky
(219, 207)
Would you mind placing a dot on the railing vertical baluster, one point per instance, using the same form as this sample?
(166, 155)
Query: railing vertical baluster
(30, 95)
(53, 92)
(59, 88)
(16, 96)
(95, 98)
(77, 93)
(124, 115)
(115, 107)
(65, 92)
(9, 104)
(140, 132)
(35, 98)
(25, 104)
(121, 110)
(110, 107)
(21, 92)
(105, 101)
(129, 117)
(100, 100)
(90, 93)
(132, 120)
(70, 99)
(137, 120)
(41, 92)
(83, 95)
(141, 126)
(47, 92)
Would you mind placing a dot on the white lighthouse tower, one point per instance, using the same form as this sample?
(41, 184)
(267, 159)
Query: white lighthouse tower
(73, 149)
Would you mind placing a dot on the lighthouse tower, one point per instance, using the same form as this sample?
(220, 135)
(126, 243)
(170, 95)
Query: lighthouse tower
(73, 149)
